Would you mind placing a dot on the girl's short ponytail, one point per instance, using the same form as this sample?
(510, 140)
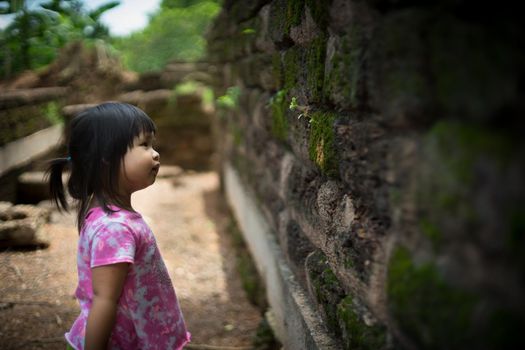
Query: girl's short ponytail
(56, 187)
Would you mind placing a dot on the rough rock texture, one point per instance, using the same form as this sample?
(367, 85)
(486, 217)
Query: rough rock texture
(383, 142)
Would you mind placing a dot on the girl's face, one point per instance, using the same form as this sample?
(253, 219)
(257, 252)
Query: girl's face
(140, 165)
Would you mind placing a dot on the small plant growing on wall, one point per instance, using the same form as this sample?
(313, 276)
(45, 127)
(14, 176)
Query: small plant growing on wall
(303, 109)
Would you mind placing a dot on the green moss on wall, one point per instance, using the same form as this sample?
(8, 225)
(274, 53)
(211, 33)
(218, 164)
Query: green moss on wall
(291, 66)
(326, 288)
(356, 333)
(321, 145)
(294, 13)
(279, 105)
(434, 314)
(315, 62)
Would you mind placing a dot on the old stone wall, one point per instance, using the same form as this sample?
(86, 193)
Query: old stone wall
(383, 141)
(30, 121)
(26, 111)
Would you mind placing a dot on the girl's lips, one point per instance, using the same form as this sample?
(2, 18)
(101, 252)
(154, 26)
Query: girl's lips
(156, 168)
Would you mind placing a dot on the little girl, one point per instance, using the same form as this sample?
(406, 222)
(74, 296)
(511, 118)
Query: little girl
(126, 297)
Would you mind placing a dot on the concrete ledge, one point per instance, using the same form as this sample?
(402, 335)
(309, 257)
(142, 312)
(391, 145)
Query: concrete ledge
(298, 325)
(19, 152)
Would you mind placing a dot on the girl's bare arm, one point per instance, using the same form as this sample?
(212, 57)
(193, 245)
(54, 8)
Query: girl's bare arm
(108, 281)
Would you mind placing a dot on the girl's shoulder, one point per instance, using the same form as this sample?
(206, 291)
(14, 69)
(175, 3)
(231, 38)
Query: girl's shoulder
(115, 213)
(97, 217)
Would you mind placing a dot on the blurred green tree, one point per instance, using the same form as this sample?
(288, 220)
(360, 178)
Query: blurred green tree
(175, 32)
(38, 29)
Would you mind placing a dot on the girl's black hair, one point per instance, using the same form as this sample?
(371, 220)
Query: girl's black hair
(99, 137)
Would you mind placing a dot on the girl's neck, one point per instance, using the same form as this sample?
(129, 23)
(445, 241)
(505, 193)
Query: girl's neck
(124, 203)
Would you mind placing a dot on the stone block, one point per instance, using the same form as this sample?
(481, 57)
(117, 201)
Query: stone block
(32, 187)
(398, 85)
(20, 152)
(263, 42)
(23, 97)
(344, 79)
(362, 149)
(22, 225)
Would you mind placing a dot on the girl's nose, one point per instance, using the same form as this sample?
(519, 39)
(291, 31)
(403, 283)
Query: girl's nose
(156, 155)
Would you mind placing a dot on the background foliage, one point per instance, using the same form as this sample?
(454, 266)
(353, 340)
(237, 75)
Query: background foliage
(175, 32)
(40, 28)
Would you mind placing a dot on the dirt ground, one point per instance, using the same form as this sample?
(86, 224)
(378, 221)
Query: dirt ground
(188, 216)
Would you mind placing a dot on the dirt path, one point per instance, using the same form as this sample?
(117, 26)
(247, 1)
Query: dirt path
(189, 219)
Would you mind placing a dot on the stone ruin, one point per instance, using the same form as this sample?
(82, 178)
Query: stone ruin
(23, 225)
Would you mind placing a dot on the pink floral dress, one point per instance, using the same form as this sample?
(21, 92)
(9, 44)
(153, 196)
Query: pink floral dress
(148, 313)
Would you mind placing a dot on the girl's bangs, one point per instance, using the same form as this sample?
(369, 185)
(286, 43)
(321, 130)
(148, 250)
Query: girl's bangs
(141, 124)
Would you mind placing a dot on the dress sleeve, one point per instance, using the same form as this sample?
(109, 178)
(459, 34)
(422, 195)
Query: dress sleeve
(112, 244)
